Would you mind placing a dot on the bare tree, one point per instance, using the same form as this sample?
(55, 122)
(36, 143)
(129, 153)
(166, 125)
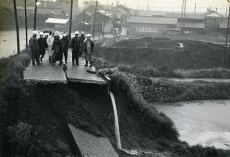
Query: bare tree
(17, 28)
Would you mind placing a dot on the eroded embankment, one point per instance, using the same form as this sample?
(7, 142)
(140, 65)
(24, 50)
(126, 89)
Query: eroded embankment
(163, 90)
(34, 117)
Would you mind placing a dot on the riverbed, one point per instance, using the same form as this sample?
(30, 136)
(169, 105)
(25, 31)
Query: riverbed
(201, 122)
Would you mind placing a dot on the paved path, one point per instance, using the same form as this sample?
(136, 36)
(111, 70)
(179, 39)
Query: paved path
(48, 73)
(45, 73)
(92, 146)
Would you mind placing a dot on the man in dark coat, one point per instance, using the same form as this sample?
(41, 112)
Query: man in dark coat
(89, 45)
(65, 46)
(57, 49)
(75, 46)
(42, 46)
(33, 44)
(82, 41)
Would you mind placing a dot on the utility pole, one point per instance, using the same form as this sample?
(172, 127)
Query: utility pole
(83, 18)
(76, 15)
(26, 26)
(195, 7)
(183, 12)
(94, 20)
(226, 42)
(17, 28)
(35, 14)
(70, 20)
(103, 33)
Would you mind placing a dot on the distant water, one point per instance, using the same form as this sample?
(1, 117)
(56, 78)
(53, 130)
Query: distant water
(201, 122)
(8, 42)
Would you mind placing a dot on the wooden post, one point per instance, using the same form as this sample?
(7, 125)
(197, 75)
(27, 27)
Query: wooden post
(26, 26)
(17, 27)
(103, 33)
(70, 20)
(226, 42)
(94, 19)
(76, 25)
(83, 18)
(35, 14)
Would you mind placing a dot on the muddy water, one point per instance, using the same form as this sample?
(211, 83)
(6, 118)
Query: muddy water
(201, 122)
(8, 42)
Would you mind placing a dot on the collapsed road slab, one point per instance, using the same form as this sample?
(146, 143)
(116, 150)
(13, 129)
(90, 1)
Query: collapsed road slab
(45, 73)
(92, 146)
(81, 74)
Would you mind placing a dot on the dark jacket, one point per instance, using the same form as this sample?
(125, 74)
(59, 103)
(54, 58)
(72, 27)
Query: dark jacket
(91, 44)
(33, 44)
(42, 45)
(82, 40)
(65, 44)
(57, 48)
(75, 45)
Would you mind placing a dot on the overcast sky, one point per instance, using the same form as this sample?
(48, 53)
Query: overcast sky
(171, 4)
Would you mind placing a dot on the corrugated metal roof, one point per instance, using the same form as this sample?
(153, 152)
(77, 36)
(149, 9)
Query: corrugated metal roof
(152, 20)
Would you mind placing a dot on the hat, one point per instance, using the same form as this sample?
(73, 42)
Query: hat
(88, 35)
(77, 32)
(35, 32)
(82, 32)
(56, 33)
(41, 33)
(64, 35)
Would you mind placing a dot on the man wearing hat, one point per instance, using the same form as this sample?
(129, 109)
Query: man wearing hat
(42, 45)
(89, 45)
(50, 41)
(82, 40)
(33, 44)
(57, 49)
(75, 46)
(65, 46)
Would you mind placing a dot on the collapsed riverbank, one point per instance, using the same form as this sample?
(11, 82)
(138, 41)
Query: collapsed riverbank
(34, 117)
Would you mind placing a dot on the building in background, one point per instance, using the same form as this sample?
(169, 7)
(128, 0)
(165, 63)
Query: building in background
(149, 25)
(212, 21)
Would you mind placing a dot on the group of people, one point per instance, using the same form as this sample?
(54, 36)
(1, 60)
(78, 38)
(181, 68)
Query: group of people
(56, 48)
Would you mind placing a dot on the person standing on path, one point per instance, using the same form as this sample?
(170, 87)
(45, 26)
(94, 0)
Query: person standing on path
(89, 45)
(75, 46)
(57, 49)
(65, 46)
(33, 44)
(42, 45)
(50, 41)
(82, 40)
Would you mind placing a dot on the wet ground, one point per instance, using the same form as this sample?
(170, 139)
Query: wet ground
(201, 122)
